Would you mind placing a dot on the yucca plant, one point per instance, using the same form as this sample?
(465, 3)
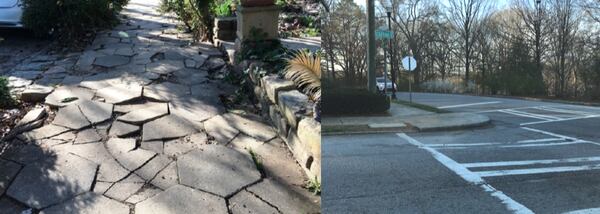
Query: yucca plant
(304, 69)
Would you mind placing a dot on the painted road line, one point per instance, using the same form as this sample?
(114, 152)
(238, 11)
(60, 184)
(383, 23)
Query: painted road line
(561, 120)
(524, 115)
(535, 115)
(469, 176)
(543, 144)
(495, 173)
(550, 133)
(547, 108)
(531, 162)
(470, 104)
(494, 143)
(584, 211)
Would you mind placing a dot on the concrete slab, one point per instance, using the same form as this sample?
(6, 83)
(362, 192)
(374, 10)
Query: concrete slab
(88, 203)
(181, 199)
(204, 169)
(167, 127)
(71, 117)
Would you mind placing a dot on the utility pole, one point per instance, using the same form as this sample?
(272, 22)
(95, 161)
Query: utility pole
(371, 51)
(389, 14)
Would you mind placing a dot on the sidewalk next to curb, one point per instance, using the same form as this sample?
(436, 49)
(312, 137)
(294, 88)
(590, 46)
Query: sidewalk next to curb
(403, 118)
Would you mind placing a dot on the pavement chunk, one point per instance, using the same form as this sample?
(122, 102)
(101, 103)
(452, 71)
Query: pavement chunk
(168, 127)
(181, 199)
(245, 202)
(146, 114)
(88, 203)
(36, 185)
(121, 129)
(60, 96)
(111, 61)
(203, 168)
(125, 153)
(8, 171)
(120, 93)
(71, 117)
(96, 112)
(220, 129)
(87, 136)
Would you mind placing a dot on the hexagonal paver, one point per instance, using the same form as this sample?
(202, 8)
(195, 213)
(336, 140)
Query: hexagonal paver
(165, 66)
(96, 112)
(220, 129)
(88, 203)
(111, 61)
(120, 93)
(110, 170)
(165, 91)
(121, 129)
(181, 199)
(61, 95)
(244, 202)
(146, 114)
(167, 177)
(217, 169)
(71, 117)
(36, 185)
(125, 153)
(167, 127)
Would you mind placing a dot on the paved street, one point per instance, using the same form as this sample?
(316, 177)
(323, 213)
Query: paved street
(535, 157)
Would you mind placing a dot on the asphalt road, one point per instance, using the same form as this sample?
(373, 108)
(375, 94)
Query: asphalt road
(536, 157)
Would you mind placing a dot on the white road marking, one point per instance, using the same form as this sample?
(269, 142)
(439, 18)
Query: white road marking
(494, 173)
(544, 144)
(523, 113)
(494, 143)
(470, 104)
(470, 177)
(548, 108)
(584, 211)
(531, 162)
(550, 133)
(561, 120)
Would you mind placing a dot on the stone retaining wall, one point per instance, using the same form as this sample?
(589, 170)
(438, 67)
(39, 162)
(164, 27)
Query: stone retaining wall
(290, 112)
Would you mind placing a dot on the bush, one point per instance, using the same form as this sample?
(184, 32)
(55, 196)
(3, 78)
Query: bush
(353, 101)
(195, 14)
(6, 100)
(68, 20)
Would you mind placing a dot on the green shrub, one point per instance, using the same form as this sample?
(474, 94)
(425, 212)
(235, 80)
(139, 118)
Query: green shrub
(6, 100)
(195, 14)
(353, 101)
(68, 20)
(222, 8)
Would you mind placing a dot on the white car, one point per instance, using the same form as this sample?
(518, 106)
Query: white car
(381, 82)
(10, 14)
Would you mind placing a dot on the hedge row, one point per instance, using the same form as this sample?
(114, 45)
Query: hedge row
(352, 101)
(68, 20)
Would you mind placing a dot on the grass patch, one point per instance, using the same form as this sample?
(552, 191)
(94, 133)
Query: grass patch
(421, 106)
(6, 100)
(314, 186)
(257, 161)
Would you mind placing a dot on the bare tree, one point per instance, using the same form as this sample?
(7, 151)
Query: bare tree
(467, 17)
(563, 37)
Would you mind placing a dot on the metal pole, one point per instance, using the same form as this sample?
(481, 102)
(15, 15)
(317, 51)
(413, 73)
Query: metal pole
(389, 13)
(410, 80)
(385, 71)
(371, 51)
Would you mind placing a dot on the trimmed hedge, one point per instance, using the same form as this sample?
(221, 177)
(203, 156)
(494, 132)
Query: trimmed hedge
(6, 99)
(68, 20)
(352, 101)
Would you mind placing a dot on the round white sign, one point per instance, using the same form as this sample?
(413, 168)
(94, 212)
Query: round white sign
(409, 63)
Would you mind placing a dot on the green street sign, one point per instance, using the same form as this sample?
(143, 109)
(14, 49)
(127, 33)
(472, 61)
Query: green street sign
(383, 34)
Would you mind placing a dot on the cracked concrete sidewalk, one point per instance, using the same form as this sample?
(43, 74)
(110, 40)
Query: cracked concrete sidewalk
(134, 124)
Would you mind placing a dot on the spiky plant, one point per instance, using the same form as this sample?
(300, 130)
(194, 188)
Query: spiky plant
(304, 69)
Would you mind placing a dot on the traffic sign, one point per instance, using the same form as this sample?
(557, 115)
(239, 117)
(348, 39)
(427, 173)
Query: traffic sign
(383, 34)
(409, 63)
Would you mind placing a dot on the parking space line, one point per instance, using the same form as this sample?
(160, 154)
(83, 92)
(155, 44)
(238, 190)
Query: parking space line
(584, 211)
(548, 108)
(494, 173)
(469, 104)
(550, 133)
(532, 115)
(530, 162)
(561, 120)
(469, 176)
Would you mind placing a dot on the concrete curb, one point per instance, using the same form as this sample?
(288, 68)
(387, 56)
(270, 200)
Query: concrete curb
(420, 123)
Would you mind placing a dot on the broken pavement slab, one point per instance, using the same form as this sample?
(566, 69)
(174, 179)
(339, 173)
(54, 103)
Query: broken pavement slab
(71, 117)
(142, 115)
(60, 96)
(181, 199)
(167, 127)
(36, 185)
(88, 203)
(203, 169)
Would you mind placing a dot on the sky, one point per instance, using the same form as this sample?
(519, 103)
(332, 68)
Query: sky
(499, 3)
